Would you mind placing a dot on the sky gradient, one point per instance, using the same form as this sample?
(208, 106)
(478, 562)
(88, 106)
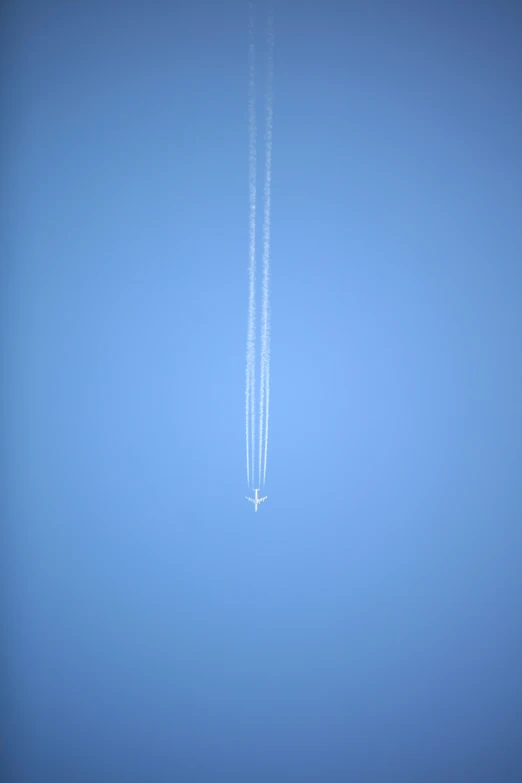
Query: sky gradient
(365, 625)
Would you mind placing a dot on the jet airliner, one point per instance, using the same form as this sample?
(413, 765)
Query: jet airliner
(256, 500)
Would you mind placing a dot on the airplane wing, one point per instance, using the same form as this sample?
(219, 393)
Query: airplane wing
(251, 499)
(261, 499)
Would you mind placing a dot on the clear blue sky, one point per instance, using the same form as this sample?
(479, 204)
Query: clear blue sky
(365, 625)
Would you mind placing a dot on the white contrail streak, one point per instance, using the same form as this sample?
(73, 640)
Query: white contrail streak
(265, 311)
(250, 389)
(264, 364)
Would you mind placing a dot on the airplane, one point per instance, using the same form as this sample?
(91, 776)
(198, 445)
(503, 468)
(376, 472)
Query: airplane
(256, 500)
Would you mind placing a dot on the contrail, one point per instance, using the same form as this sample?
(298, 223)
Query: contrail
(264, 365)
(250, 390)
(265, 312)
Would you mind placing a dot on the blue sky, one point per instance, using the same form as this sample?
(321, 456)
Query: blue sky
(365, 624)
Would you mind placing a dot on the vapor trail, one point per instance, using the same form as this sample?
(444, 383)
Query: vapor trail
(250, 388)
(265, 311)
